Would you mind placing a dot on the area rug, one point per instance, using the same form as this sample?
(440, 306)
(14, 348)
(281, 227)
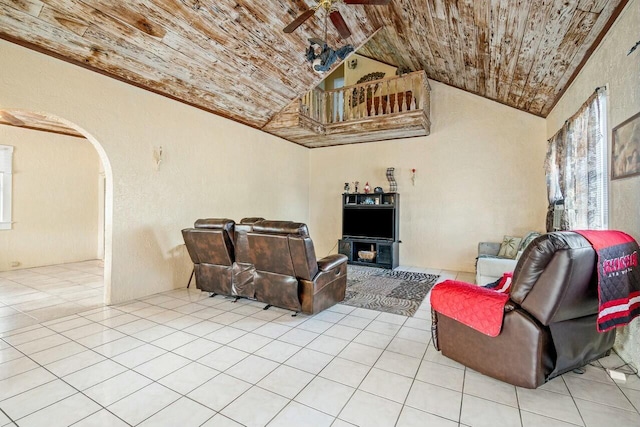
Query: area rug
(397, 292)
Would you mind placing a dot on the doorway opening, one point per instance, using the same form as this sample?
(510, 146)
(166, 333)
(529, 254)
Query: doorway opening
(56, 257)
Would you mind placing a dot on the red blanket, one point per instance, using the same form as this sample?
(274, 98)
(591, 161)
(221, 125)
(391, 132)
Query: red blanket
(618, 277)
(479, 308)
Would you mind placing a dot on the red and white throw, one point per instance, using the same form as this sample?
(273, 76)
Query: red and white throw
(618, 277)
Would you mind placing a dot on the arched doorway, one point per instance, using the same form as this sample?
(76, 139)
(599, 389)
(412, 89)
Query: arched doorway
(61, 131)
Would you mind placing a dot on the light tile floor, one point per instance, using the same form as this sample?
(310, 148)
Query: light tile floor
(182, 359)
(34, 295)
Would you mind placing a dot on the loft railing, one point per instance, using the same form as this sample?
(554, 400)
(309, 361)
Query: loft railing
(376, 98)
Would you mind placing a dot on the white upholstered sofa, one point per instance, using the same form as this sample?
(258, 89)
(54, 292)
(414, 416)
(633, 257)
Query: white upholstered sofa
(490, 266)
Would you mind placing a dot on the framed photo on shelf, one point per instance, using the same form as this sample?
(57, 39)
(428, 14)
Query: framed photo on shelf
(625, 148)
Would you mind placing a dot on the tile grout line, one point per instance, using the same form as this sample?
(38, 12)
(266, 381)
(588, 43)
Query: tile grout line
(245, 332)
(192, 361)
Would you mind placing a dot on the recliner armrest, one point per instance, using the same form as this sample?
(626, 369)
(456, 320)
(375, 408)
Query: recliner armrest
(474, 306)
(331, 261)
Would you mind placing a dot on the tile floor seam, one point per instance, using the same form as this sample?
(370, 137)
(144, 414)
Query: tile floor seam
(584, 423)
(57, 378)
(100, 382)
(464, 376)
(518, 406)
(619, 388)
(370, 368)
(413, 380)
(552, 418)
(8, 417)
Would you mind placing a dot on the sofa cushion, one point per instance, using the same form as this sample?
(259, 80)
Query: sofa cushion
(528, 238)
(509, 247)
(490, 269)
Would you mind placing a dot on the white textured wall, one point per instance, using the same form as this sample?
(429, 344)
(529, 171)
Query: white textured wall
(212, 167)
(610, 65)
(55, 200)
(479, 176)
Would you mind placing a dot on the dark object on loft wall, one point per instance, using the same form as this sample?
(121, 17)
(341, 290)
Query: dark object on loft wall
(357, 97)
(635, 46)
(371, 77)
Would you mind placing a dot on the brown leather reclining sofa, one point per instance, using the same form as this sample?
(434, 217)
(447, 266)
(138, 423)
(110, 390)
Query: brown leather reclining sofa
(549, 324)
(271, 261)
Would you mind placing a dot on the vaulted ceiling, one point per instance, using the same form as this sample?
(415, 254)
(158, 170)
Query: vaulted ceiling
(231, 57)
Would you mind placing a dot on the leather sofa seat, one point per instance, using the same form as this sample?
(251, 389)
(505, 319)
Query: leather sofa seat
(549, 324)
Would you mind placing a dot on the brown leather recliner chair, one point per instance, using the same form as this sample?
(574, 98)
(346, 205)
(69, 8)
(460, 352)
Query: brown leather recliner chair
(549, 324)
(210, 246)
(287, 272)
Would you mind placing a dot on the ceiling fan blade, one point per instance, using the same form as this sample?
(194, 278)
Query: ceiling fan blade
(338, 22)
(372, 2)
(317, 41)
(299, 20)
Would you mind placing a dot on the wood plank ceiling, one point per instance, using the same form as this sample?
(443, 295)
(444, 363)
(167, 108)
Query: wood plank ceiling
(230, 57)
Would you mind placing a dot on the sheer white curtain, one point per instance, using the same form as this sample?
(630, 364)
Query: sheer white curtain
(576, 168)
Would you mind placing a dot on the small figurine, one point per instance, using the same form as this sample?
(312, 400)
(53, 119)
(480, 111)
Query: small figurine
(346, 187)
(367, 189)
(355, 186)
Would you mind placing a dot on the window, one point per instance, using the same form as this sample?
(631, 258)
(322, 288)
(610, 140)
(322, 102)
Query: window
(576, 168)
(6, 159)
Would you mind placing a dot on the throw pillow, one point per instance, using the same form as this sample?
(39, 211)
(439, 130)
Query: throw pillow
(509, 247)
(528, 239)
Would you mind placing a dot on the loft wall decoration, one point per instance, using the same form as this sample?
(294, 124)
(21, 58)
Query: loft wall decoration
(625, 156)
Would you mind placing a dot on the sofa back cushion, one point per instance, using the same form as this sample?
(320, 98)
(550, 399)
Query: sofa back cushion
(242, 241)
(209, 246)
(283, 247)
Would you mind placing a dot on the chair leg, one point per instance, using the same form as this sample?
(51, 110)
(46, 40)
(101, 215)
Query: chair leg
(267, 307)
(191, 277)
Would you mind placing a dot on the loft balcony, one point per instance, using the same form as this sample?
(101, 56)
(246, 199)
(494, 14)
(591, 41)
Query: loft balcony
(390, 108)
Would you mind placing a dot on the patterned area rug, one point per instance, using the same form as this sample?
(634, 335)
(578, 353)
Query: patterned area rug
(398, 292)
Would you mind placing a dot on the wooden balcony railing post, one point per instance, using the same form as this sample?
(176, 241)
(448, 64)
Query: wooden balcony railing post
(370, 99)
(403, 82)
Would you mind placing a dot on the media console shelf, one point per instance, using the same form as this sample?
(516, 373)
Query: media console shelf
(370, 223)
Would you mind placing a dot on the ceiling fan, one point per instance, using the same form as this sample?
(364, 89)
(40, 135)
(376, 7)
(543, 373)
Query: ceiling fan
(333, 13)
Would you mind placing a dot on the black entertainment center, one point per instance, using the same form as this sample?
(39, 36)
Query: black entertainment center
(370, 229)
